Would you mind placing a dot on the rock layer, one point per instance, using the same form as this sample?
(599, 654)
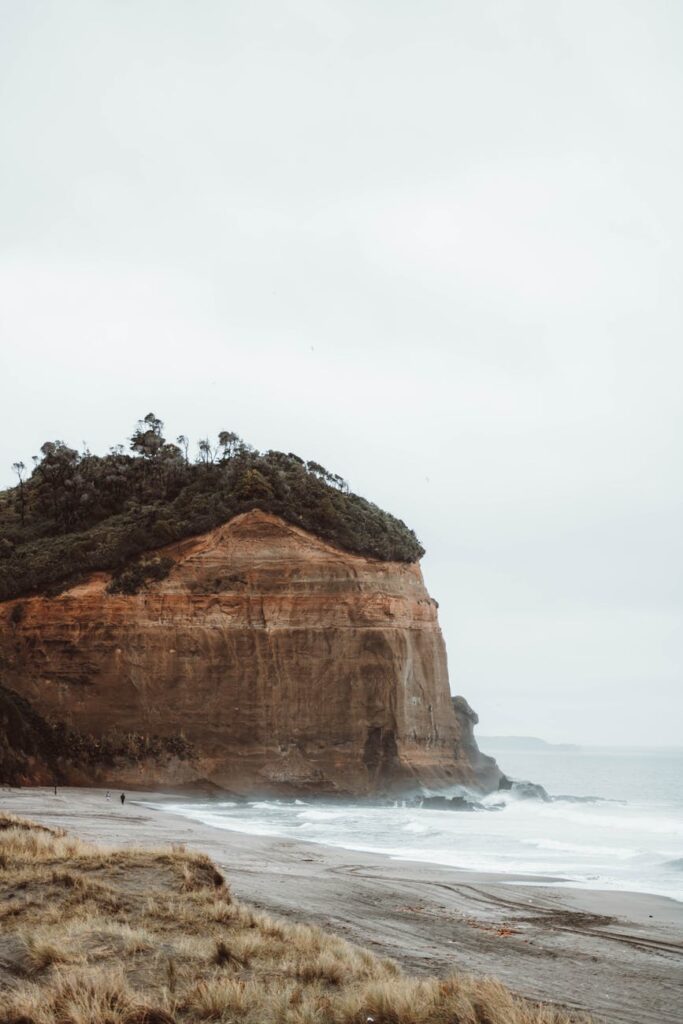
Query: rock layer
(289, 666)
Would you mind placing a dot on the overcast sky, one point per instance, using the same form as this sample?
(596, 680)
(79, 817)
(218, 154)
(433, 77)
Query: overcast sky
(435, 246)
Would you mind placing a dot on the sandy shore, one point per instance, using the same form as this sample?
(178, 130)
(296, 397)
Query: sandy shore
(617, 955)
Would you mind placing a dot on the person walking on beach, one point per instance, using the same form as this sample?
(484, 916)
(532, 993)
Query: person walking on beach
(108, 796)
(123, 799)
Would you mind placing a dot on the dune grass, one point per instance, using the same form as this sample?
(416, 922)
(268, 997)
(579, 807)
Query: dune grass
(90, 935)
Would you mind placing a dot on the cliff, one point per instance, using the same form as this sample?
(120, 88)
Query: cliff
(267, 660)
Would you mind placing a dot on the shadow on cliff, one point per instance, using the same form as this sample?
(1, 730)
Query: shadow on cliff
(35, 751)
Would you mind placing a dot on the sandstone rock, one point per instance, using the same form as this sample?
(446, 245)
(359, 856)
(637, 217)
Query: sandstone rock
(483, 765)
(289, 666)
(446, 803)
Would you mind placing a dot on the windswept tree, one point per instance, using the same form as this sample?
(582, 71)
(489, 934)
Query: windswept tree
(20, 469)
(183, 443)
(207, 452)
(329, 478)
(322, 473)
(229, 443)
(148, 439)
(57, 481)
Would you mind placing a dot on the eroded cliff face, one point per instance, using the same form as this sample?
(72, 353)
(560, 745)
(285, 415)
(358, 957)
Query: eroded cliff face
(287, 665)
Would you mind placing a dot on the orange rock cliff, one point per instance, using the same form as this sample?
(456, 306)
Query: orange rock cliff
(286, 665)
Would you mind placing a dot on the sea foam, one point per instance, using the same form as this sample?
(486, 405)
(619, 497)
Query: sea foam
(631, 839)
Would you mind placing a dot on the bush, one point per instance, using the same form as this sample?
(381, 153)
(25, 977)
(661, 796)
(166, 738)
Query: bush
(132, 579)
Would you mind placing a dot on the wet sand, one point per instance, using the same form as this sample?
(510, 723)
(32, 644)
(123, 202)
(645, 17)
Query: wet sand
(617, 955)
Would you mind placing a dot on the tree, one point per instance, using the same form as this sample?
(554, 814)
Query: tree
(229, 443)
(207, 453)
(339, 482)
(321, 473)
(58, 481)
(19, 468)
(184, 443)
(147, 439)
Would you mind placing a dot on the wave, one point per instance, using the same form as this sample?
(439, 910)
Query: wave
(322, 815)
(583, 849)
(592, 843)
(569, 799)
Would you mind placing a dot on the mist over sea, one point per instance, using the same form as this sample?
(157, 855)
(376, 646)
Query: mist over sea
(630, 837)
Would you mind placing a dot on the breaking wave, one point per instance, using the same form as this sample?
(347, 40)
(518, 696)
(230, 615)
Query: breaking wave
(605, 842)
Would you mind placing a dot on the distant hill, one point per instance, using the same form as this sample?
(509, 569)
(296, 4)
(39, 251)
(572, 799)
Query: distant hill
(74, 513)
(522, 743)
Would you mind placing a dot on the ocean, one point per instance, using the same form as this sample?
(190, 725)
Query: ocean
(628, 835)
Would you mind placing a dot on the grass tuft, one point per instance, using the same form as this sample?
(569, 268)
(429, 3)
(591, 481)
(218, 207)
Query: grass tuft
(224, 956)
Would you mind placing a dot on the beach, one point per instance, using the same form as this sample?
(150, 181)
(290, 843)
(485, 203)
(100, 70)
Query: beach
(617, 955)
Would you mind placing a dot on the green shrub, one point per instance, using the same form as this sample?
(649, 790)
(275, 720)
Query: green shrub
(132, 579)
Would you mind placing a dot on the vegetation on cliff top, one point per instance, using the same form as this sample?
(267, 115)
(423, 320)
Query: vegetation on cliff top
(76, 512)
(132, 936)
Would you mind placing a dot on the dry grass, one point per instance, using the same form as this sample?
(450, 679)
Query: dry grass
(96, 936)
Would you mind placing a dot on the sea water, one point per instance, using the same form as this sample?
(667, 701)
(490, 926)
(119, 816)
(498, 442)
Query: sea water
(627, 835)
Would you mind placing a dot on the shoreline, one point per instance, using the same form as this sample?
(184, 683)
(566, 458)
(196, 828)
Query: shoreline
(529, 878)
(613, 953)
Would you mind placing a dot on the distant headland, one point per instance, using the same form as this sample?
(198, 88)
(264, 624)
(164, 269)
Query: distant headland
(523, 743)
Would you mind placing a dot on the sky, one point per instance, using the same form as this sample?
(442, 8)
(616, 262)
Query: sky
(436, 247)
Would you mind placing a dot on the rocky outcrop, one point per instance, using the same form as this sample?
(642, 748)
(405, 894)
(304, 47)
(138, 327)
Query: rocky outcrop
(283, 664)
(482, 765)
